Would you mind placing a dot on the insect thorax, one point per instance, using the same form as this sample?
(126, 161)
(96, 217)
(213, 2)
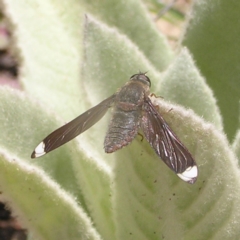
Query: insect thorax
(131, 96)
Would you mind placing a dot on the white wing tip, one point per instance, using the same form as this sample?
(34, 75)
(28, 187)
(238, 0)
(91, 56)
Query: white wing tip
(189, 175)
(39, 150)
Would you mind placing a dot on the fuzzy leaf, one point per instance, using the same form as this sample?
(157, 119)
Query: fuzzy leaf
(119, 63)
(211, 38)
(183, 84)
(151, 202)
(132, 20)
(24, 124)
(40, 203)
(49, 49)
(141, 198)
(236, 145)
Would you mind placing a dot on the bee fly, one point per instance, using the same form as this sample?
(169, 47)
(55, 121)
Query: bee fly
(132, 110)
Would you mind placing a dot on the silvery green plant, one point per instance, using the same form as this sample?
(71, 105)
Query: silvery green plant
(72, 55)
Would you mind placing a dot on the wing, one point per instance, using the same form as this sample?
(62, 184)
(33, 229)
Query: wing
(166, 144)
(73, 128)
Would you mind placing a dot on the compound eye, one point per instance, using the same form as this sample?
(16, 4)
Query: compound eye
(147, 80)
(144, 78)
(134, 76)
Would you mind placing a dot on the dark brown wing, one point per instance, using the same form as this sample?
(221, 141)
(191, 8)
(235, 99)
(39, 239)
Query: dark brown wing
(73, 128)
(166, 144)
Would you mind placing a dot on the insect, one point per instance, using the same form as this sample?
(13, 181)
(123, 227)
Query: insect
(132, 110)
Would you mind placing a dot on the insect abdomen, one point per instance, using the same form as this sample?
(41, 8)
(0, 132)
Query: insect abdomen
(122, 129)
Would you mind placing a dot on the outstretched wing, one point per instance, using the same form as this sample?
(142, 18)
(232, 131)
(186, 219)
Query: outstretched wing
(166, 144)
(73, 128)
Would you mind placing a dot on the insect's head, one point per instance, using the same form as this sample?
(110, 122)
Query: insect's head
(141, 77)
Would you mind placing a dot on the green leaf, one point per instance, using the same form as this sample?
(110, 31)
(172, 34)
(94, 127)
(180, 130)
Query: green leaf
(51, 47)
(41, 204)
(236, 145)
(211, 38)
(132, 20)
(183, 84)
(49, 50)
(24, 125)
(112, 66)
(73, 166)
(139, 197)
(151, 202)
